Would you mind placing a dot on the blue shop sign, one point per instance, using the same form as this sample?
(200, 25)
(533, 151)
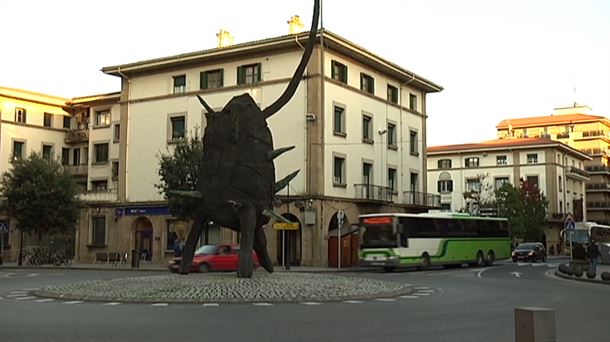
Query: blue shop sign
(130, 211)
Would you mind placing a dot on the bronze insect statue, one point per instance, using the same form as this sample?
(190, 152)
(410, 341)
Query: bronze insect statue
(236, 185)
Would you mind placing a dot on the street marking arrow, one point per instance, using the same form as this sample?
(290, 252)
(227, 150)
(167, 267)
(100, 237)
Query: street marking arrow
(516, 274)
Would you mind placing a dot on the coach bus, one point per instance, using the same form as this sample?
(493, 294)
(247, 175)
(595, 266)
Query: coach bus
(584, 232)
(390, 240)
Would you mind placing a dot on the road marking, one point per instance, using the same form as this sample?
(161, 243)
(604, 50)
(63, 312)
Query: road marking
(6, 275)
(407, 284)
(25, 298)
(538, 265)
(353, 301)
(33, 275)
(430, 290)
(516, 274)
(206, 305)
(32, 289)
(74, 302)
(421, 287)
(262, 304)
(422, 293)
(12, 295)
(159, 304)
(112, 303)
(409, 297)
(385, 299)
(311, 303)
(44, 300)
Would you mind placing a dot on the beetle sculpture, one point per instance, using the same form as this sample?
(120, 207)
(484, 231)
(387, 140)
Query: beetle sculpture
(236, 185)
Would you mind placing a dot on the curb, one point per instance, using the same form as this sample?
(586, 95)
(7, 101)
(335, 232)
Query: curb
(583, 278)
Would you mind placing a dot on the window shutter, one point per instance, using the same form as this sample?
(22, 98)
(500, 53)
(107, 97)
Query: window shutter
(222, 77)
(438, 186)
(204, 80)
(450, 186)
(258, 74)
(241, 75)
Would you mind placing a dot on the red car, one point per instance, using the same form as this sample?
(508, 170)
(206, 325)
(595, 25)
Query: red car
(208, 258)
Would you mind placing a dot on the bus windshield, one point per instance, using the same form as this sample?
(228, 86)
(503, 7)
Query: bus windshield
(577, 236)
(378, 235)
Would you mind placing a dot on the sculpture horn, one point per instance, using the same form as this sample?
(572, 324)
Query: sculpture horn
(298, 73)
(276, 153)
(207, 107)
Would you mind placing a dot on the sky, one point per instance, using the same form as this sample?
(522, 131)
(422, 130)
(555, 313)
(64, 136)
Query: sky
(495, 59)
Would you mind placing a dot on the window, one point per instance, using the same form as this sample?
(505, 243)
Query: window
(499, 181)
(339, 72)
(473, 185)
(367, 83)
(177, 127)
(444, 186)
(117, 133)
(20, 115)
(413, 149)
(179, 84)
(532, 158)
(339, 120)
(445, 206)
(76, 157)
(472, 162)
(339, 171)
(392, 94)
(367, 129)
(47, 120)
(47, 152)
(533, 180)
(367, 173)
(115, 170)
(392, 179)
(444, 164)
(501, 160)
(98, 237)
(65, 156)
(392, 136)
(249, 74)
(413, 102)
(18, 149)
(102, 118)
(211, 79)
(66, 122)
(560, 183)
(101, 153)
(99, 185)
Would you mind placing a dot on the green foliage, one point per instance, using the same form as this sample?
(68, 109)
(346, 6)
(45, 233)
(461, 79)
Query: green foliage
(525, 208)
(40, 195)
(179, 170)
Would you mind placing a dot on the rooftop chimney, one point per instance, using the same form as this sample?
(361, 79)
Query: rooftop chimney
(295, 25)
(225, 38)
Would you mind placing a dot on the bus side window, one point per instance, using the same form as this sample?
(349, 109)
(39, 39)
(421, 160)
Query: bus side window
(404, 238)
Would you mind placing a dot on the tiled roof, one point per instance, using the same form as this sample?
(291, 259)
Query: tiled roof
(494, 144)
(549, 120)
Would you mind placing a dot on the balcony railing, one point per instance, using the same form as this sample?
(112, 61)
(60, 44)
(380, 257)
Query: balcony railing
(422, 198)
(598, 205)
(77, 170)
(600, 133)
(109, 195)
(77, 135)
(563, 135)
(598, 186)
(594, 151)
(577, 173)
(373, 192)
(598, 168)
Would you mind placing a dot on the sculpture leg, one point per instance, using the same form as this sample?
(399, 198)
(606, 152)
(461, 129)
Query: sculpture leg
(260, 247)
(189, 246)
(247, 225)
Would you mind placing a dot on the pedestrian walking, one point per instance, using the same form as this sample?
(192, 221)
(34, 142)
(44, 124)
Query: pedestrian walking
(593, 254)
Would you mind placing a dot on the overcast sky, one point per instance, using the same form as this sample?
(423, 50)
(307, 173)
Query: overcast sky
(496, 59)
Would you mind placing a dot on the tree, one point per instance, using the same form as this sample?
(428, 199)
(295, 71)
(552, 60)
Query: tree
(179, 170)
(525, 207)
(40, 195)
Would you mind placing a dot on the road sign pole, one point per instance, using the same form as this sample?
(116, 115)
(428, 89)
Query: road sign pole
(340, 217)
(2, 247)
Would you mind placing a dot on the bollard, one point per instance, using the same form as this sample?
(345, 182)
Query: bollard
(533, 324)
(605, 276)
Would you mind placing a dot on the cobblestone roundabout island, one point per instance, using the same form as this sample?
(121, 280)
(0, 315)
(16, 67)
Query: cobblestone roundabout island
(227, 288)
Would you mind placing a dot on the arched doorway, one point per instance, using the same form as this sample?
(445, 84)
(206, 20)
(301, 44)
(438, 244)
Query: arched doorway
(293, 243)
(349, 243)
(144, 238)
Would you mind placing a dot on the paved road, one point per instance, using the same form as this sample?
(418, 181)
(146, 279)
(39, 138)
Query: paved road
(464, 304)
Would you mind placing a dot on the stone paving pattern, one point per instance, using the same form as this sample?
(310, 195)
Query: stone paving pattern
(227, 288)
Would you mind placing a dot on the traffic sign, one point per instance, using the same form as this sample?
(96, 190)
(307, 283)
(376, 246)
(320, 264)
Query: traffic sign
(3, 228)
(286, 226)
(569, 223)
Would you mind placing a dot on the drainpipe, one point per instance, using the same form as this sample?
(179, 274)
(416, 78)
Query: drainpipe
(402, 166)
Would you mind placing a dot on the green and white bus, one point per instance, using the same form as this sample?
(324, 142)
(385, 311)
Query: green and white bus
(390, 240)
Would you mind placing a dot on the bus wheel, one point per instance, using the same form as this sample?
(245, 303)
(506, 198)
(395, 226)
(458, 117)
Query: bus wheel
(491, 257)
(425, 261)
(389, 268)
(479, 261)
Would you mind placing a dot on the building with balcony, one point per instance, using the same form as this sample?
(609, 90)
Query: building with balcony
(357, 121)
(577, 127)
(458, 171)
